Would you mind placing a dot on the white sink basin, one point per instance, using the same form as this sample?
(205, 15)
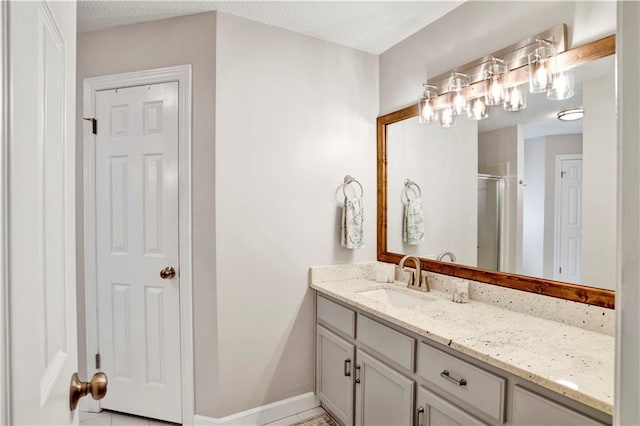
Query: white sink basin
(397, 298)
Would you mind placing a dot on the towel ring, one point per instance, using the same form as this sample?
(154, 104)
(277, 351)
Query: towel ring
(408, 183)
(348, 179)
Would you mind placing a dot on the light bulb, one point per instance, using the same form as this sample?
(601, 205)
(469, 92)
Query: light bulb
(478, 110)
(459, 103)
(495, 94)
(516, 99)
(562, 87)
(447, 117)
(426, 110)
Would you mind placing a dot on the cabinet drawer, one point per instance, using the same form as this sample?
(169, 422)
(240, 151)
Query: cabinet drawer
(480, 389)
(335, 316)
(532, 409)
(386, 341)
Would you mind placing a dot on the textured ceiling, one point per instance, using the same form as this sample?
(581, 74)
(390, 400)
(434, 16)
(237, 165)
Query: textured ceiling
(372, 26)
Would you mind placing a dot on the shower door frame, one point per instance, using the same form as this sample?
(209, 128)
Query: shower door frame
(500, 219)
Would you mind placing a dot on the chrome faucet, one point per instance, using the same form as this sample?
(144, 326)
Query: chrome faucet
(446, 253)
(415, 281)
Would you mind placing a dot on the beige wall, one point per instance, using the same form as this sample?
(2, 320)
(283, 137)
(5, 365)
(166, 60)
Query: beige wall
(294, 116)
(600, 177)
(279, 119)
(177, 41)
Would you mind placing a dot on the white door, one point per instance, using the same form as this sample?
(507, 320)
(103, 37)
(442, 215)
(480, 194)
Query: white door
(136, 238)
(570, 221)
(41, 211)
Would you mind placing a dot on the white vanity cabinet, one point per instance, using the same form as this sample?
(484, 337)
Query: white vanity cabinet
(433, 410)
(372, 372)
(384, 397)
(532, 409)
(335, 358)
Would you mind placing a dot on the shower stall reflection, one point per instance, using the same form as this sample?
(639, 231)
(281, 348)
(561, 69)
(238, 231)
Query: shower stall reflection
(490, 197)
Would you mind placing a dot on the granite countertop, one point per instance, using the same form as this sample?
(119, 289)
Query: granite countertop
(568, 360)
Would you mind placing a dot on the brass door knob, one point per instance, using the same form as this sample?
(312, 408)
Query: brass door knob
(97, 387)
(168, 273)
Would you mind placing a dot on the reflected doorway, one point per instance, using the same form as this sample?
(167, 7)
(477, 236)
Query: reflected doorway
(490, 197)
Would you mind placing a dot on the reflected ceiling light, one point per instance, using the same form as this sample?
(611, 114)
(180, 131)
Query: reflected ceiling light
(477, 109)
(426, 104)
(542, 66)
(562, 86)
(515, 99)
(571, 114)
(494, 79)
(456, 85)
(447, 117)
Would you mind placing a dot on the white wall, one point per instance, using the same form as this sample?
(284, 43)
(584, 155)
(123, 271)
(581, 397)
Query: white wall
(278, 120)
(627, 409)
(533, 207)
(477, 28)
(555, 145)
(177, 41)
(500, 152)
(443, 162)
(294, 116)
(599, 168)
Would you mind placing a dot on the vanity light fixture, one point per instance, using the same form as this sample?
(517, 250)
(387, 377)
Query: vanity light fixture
(426, 104)
(542, 63)
(562, 87)
(495, 82)
(571, 114)
(456, 85)
(516, 99)
(477, 109)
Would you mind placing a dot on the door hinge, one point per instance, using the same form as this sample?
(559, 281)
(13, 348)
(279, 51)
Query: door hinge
(94, 125)
(97, 361)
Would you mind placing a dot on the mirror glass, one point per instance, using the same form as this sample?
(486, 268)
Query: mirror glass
(519, 192)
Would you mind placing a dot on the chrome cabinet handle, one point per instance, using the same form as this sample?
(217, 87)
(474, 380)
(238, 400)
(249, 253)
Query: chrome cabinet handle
(347, 367)
(459, 382)
(419, 412)
(357, 374)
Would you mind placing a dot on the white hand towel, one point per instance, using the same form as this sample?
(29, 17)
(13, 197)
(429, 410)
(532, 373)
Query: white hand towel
(413, 229)
(352, 234)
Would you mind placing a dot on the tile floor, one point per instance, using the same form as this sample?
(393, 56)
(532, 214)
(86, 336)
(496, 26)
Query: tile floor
(108, 418)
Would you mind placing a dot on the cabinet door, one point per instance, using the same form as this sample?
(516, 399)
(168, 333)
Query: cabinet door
(334, 369)
(384, 397)
(433, 410)
(533, 409)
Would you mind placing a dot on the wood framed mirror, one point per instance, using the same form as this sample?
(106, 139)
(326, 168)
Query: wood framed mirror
(579, 292)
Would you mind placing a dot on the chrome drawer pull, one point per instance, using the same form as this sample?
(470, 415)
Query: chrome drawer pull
(347, 367)
(419, 411)
(445, 375)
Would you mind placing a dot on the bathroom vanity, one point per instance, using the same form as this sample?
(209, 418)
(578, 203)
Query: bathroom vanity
(386, 355)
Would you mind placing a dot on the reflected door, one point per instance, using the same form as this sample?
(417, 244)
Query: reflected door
(568, 220)
(490, 192)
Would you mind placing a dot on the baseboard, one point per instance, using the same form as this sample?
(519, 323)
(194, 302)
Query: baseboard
(264, 414)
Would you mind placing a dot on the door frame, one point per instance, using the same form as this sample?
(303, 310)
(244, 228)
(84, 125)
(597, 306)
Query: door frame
(182, 75)
(556, 214)
(4, 273)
